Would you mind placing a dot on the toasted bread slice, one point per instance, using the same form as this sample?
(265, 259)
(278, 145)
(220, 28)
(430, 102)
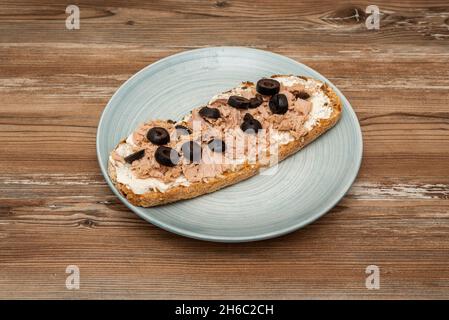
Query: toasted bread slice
(179, 192)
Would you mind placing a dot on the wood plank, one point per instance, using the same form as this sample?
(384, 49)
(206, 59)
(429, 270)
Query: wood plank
(218, 23)
(327, 264)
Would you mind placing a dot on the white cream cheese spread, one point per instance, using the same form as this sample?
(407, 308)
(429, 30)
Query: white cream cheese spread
(141, 186)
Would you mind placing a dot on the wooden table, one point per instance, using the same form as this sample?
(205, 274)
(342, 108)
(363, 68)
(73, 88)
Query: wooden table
(56, 209)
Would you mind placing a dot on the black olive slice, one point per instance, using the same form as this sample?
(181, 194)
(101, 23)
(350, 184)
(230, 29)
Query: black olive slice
(301, 95)
(238, 102)
(191, 151)
(278, 103)
(158, 136)
(268, 87)
(135, 156)
(256, 101)
(217, 145)
(166, 156)
(182, 130)
(250, 125)
(248, 117)
(212, 113)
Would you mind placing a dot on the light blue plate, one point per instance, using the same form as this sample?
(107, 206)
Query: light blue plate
(305, 185)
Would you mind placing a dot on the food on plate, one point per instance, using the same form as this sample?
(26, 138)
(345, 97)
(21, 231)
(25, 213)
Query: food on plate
(238, 132)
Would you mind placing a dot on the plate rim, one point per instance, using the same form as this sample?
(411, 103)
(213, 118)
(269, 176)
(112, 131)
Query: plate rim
(228, 239)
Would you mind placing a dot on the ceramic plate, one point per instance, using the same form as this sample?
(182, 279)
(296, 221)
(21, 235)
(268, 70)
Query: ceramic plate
(304, 187)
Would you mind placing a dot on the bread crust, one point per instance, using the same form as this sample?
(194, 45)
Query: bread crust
(155, 198)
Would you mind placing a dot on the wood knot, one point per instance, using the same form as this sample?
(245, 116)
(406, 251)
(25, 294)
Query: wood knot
(130, 23)
(446, 21)
(88, 223)
(221, 3)
(346, 15)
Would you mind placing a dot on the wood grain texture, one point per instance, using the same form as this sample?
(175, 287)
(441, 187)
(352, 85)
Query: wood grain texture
(56, 209)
